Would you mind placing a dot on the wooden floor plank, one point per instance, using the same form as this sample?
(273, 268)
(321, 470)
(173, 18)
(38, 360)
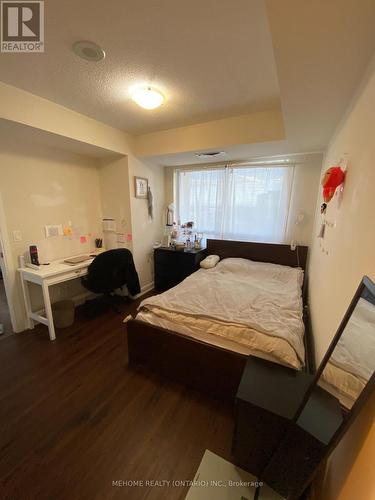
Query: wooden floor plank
(74, 418)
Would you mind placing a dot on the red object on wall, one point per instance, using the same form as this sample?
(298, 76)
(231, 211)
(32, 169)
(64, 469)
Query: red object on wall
(333, 177)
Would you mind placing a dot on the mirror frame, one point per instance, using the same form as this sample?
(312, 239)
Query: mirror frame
(348, 415)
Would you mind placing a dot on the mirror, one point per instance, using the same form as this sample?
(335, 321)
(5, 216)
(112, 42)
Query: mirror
(351, 364)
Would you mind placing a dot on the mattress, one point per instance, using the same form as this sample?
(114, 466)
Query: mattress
(248, 307)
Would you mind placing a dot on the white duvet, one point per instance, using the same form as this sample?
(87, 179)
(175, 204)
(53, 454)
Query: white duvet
(260, 296)
(355, 351)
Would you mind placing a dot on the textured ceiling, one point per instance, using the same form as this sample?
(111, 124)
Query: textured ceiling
(211, 58)
(322, 49)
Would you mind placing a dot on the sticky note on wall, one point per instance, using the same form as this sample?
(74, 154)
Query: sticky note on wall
(129, 237)
(83, 239)
(77, 232)
(120, 237)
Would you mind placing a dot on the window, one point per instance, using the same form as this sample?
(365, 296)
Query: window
(238, 203)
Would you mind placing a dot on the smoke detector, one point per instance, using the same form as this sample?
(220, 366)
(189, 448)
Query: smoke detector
(89, 51)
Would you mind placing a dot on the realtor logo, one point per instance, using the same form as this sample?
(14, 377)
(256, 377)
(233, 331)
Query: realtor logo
(22, 26)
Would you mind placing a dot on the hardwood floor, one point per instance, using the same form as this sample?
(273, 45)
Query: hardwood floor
(74, 418)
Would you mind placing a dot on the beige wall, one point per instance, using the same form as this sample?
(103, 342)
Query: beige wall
(146, 231)
(115, 196)
(335, 276)
(40, 186)
(43, 181)
(303, 196)
(303, 200)
(168, 185)
(21, 107)
(245, 129)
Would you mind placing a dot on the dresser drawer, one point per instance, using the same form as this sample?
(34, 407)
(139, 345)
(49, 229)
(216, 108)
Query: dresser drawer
(173, 266)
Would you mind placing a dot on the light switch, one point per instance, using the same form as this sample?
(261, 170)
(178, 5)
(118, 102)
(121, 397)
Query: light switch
(17, 235)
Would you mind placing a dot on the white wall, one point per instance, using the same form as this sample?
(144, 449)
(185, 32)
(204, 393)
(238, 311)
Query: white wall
(146, 231)
(39, 186)
(335, 277)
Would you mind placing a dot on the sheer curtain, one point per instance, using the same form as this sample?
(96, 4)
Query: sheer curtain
(200, 196)
(237, 203)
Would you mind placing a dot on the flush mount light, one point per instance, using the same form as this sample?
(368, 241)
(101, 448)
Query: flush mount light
(147, 97)
(89, 51)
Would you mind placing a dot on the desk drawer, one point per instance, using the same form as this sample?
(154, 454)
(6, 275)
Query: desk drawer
(70, 275)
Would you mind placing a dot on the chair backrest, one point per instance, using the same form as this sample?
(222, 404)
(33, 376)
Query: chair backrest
(109, 270)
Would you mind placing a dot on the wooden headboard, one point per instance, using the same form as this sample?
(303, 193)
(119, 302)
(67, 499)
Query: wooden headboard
(260, 252)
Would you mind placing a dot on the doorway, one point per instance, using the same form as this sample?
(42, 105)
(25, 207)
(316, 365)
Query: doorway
(7, 281)
(5, 321)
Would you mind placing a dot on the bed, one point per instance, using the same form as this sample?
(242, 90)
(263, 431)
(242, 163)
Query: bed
(200, 332)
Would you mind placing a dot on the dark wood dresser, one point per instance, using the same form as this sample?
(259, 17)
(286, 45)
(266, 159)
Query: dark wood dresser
(267, 400)
(173, 266)
(303, 448)
(280, 436)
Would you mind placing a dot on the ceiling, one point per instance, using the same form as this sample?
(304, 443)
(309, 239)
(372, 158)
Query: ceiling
(211, 59)
(322, 50)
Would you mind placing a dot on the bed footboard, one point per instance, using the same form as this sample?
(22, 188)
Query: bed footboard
(205, 367)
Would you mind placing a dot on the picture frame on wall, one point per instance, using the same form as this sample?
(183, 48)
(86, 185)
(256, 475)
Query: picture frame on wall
(140, 187)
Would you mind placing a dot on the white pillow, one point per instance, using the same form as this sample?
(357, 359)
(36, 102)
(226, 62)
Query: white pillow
(209, 261)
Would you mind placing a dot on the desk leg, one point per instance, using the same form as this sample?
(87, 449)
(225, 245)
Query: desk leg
(47, 305)
(26, 298)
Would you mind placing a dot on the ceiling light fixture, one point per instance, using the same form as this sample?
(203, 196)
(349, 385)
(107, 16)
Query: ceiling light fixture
(89, 51)
(147, 97)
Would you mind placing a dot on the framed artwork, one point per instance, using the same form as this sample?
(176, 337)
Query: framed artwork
(140, 187)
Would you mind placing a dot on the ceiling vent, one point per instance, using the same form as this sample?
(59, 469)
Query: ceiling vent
(89, 51)
(212, 154)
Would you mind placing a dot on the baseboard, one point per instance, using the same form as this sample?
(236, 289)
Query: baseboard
(82, 297)
(144, 289)
(147, 288)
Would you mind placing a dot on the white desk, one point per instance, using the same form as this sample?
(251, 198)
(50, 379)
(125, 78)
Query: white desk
(52, 274)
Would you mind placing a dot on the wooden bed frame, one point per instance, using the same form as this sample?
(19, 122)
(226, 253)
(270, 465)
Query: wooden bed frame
(197, 364)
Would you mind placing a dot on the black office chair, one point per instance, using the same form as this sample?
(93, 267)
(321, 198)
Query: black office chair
(110, 271)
